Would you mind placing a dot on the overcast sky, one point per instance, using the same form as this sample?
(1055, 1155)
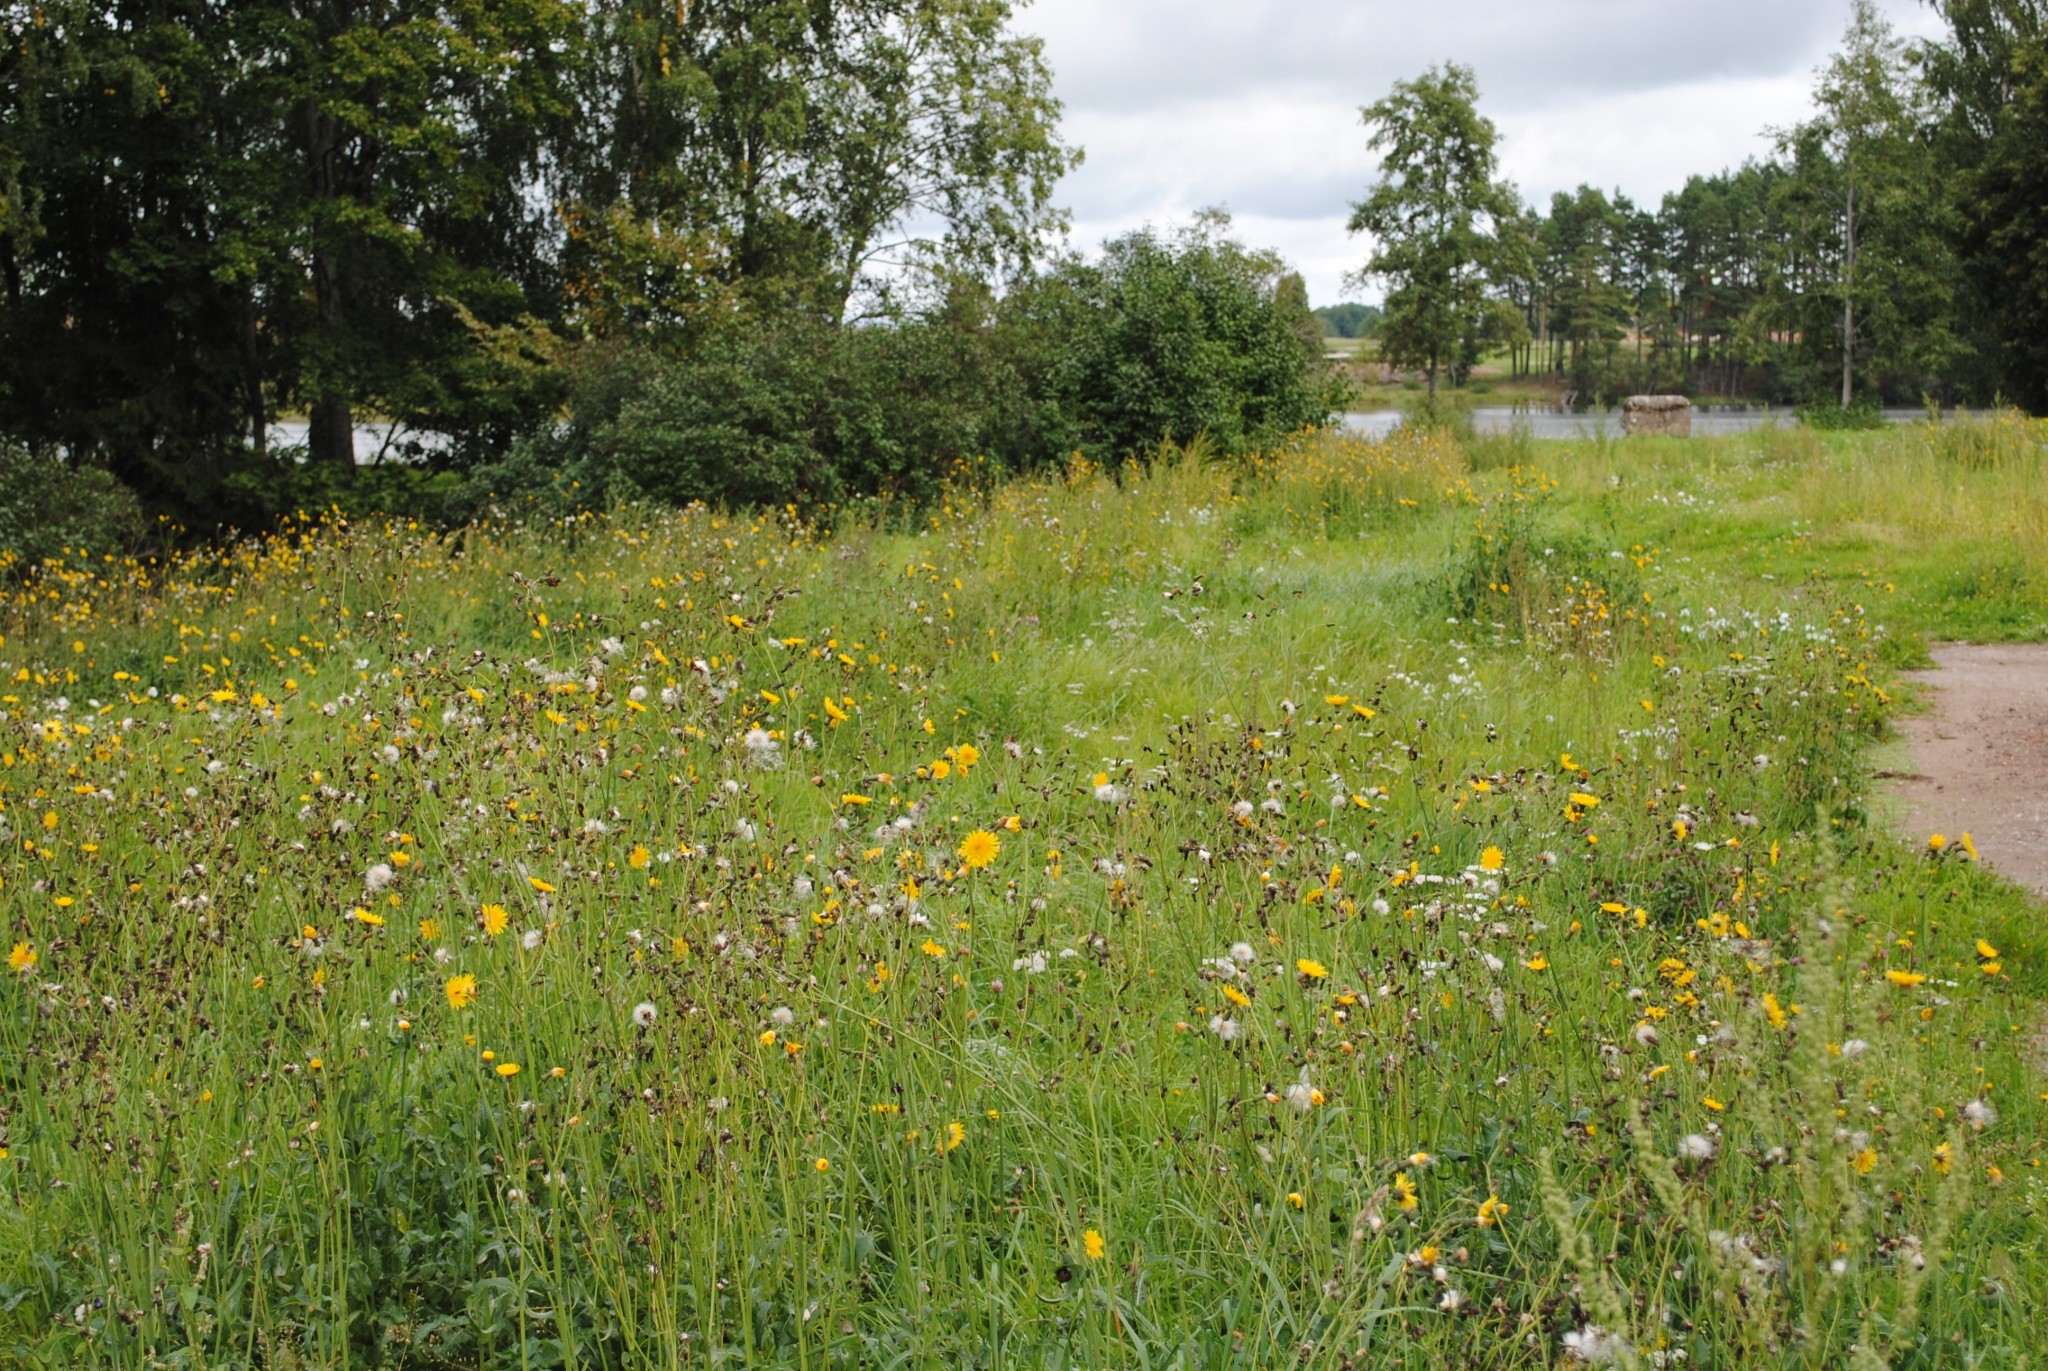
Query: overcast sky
(1253, 104)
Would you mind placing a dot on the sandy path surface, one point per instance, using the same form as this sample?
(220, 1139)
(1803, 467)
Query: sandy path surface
(1980, 758)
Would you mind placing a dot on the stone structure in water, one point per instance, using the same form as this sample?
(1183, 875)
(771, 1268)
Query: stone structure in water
(1668, 416)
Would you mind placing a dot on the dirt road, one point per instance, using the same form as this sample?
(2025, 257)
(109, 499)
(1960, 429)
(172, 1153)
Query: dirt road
(1980, 758)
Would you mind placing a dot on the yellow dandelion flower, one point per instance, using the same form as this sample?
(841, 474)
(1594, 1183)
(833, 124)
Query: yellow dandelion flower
(966, 755)
(1237, 997)
(1936, 842)
(461, 991)
(1312, 969)
(1943, 1156)
(956, 1133)
(1986, 950)
(22, 958)
(1713, 1104)
(822, 1165)
(639, 857)
(1864, 1162)
(1295, 1198)
(1492, 859)
(540, 885)
(1538, 963)
(932, 948)
(1092, 1244)
(1905, 978)
(494, 919)
(1404, 1192)
(1491, 1211)
(979, 848)
(507, 1069)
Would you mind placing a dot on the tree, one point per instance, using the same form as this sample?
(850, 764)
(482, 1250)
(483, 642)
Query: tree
(1991, 76)
(1166, 338)
(1433, 218)
(1349, 320)
(817, 148)
(1866, 191)
(215, 210)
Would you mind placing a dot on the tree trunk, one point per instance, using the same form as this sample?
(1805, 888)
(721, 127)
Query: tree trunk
(331, 436)
(252, 381)
(1849, 299)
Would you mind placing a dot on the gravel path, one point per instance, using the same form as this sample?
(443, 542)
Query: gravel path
(1980, 757)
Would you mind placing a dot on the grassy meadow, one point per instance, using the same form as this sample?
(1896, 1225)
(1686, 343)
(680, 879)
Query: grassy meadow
(1410, 903)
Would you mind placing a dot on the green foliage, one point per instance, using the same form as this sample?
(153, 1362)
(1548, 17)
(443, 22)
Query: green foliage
(1350, 320)
(1160, 340)
(1163, 339)
(50, 508)
(1830, 415)
(211, 215)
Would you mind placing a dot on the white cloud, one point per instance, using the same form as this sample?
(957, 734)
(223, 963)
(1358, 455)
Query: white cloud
(1253, 104)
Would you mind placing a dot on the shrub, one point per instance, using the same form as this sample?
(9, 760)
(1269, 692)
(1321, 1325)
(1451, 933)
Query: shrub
(48, 506)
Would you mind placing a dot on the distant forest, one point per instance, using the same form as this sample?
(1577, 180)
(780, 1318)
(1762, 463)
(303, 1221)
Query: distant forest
(1349, 320)
(1892, 248)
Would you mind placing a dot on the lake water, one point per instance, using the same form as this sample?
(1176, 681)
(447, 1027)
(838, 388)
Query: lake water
(1708, 421)
(370, 439)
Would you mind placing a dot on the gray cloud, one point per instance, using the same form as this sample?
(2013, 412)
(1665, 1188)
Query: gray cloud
(1253, 104)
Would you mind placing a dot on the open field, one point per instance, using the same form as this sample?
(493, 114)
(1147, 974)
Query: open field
(1402, 904)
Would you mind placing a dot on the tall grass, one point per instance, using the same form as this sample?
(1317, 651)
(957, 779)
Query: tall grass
(1430, 924)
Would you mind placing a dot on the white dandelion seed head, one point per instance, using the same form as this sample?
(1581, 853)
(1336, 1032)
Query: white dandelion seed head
(378, 877)
(803, 887)
(389, 752)
(1980, 1114)
(530, 939)
(1381, 907)
(1242, 809)
(595, 828)
(1243, 954)
(1226, 1029)
(783, 1015)
(1854, 1048)
(1302, 1096)
(644, 1013)
(1591, 1345)
(1697, 1147)
(1109, 794)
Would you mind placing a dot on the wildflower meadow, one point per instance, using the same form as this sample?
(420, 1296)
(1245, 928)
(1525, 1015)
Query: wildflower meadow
(1419, 902)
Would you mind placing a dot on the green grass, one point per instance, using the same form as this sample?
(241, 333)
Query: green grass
(1296, 704)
